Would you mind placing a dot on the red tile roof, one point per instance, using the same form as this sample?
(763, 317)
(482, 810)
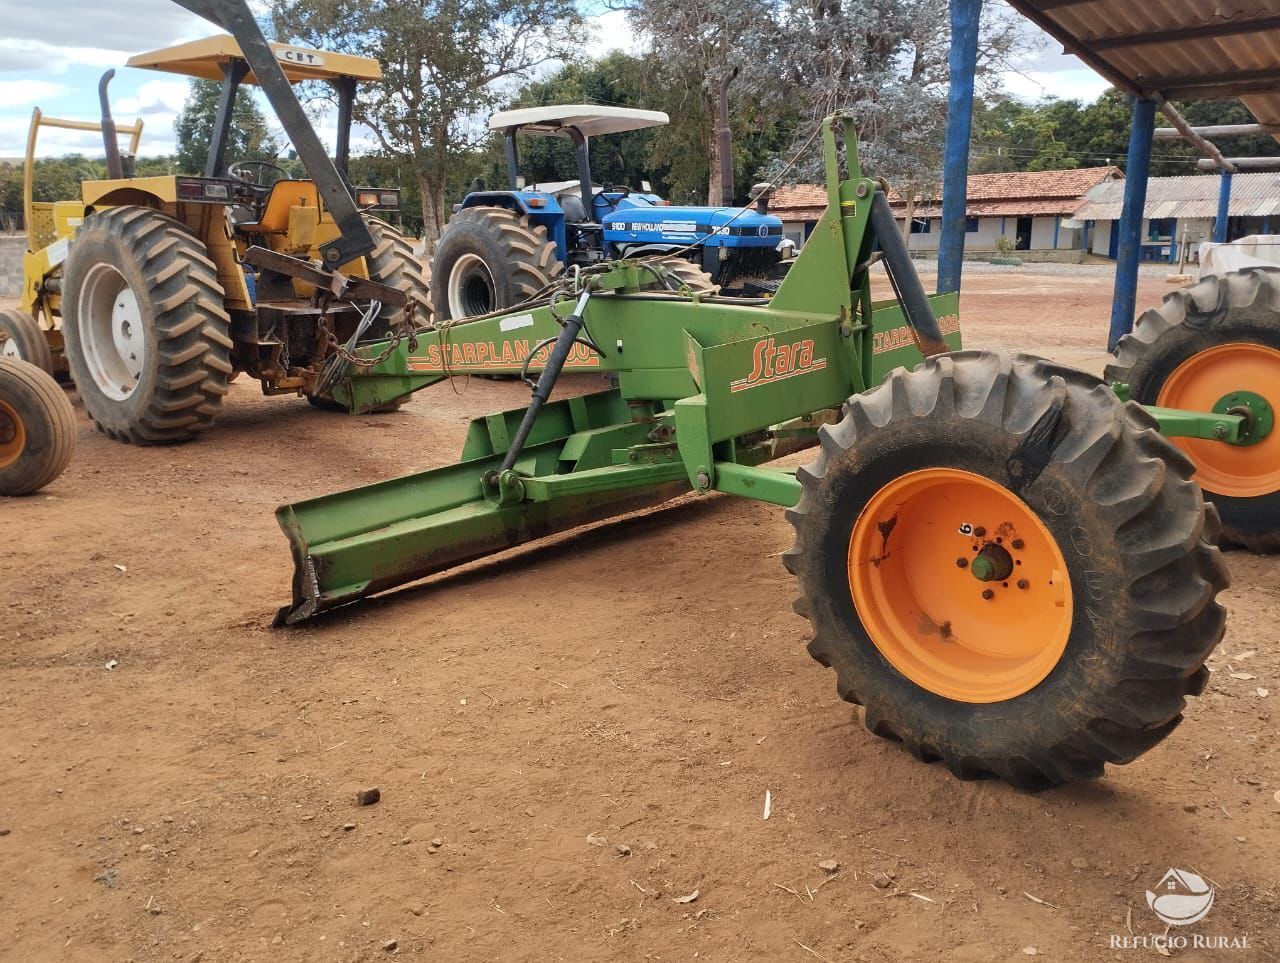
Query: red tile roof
(1011, 194)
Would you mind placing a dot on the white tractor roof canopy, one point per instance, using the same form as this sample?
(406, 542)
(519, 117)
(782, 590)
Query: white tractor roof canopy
(591, 119)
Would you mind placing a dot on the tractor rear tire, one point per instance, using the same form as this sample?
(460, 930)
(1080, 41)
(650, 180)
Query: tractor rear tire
(145, 326)
(393, 263)
(1008, 568)
(37, 428)
(1204, 343)
(488, 259)
(685, 272)
(24, 339)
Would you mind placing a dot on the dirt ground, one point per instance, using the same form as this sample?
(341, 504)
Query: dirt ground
(570, 740)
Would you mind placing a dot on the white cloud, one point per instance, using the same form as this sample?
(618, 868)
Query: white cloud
(1079, 83)
(127, 27)
(20, 93)
(610, 31)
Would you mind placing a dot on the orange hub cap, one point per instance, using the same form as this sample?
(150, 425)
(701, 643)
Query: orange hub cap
(13, 436)
(960, 585)
(1237, 471)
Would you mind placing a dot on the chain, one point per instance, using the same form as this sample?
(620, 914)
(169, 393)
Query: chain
(402, 330)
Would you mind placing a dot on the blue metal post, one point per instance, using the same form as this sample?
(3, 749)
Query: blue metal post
(963, 62)
(1124, 299)
(1224, 209)
(1057, 223)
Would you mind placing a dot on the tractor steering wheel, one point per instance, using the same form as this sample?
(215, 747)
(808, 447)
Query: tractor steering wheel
(250, 172)
(622, 190)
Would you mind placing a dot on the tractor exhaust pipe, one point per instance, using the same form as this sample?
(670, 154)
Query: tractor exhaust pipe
(115, 170)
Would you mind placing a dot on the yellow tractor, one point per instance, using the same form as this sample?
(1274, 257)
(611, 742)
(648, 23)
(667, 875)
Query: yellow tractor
(154, 292)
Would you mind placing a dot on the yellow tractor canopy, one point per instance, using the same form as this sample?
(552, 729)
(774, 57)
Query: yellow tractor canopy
(204, 59)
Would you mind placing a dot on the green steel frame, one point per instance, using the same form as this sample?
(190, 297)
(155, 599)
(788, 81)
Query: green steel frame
(708, 390)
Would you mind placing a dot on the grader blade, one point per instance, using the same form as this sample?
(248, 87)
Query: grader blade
(352, 544)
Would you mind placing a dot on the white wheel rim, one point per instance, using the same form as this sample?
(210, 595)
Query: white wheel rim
(9, 349)
(112, 339)
(468, 281)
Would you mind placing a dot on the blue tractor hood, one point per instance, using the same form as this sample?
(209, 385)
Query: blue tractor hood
(705, 226)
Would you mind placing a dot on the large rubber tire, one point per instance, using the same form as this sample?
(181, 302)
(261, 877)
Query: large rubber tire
(686, 273)
(37, 428)
(179, 339)
(394, 264)
(24, 339)
(1239, 308)
(1098, 481)
(487, 259)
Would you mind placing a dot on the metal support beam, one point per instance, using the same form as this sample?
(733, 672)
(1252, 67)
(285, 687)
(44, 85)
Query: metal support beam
(1224, 209)
(962, 61)
(233, 72)
(1215, 130)
(1196, 139)
(1243, 164)
(1226, 28)
(346, 89)
(1137, 170)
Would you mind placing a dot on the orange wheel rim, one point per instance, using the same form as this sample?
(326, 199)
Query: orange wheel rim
(960, 586)
(13, 435)
(1239, 471)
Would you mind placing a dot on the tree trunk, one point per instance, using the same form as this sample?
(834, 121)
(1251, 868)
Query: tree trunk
(714, 172)
(722, 154)
(910, 216)
(433, 209)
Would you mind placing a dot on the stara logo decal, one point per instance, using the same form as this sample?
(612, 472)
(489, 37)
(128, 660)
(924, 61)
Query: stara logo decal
(771, 362)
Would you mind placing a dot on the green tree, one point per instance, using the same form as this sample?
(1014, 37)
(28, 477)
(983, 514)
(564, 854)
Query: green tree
(250, 136)
(444, 63)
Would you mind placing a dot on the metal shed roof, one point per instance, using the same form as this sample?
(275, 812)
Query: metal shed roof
(1252, 195)
(1174, 49)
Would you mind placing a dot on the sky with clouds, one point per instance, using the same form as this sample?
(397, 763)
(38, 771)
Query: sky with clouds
(91, 35)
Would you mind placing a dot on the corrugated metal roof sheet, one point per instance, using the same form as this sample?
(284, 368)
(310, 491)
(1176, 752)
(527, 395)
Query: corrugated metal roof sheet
(1176, 49)
(1252, 195)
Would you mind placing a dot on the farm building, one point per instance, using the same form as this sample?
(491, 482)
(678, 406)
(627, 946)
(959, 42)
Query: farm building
(1181, 209)
(1034, 209)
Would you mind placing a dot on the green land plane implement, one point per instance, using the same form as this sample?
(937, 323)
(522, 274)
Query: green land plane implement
(1004, 560)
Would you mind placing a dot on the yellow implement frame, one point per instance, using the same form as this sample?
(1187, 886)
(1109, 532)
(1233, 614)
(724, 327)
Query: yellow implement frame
(52, 224)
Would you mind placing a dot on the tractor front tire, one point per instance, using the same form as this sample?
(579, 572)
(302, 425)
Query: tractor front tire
(393, 263)
(1213, 346)
(37, 428)
(145, 327)
(1008, 568)
(685, 274)
(21, 337)
(488, 259)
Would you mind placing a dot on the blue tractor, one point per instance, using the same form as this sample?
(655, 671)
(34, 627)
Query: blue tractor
(500, 247)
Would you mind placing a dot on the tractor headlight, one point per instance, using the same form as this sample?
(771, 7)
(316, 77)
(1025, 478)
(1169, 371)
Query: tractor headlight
(203, 189)
(377, 197)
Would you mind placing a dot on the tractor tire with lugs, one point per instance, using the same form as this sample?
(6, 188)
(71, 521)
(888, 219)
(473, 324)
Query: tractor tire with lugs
(21, 337)
(684, 273)
(393, 263)
(1213, 346)
(37, 428)
(487, 259)
(145, 327)
(1010, 569)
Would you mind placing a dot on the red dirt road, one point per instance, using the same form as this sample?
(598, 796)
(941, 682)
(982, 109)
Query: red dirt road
(570, 740)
